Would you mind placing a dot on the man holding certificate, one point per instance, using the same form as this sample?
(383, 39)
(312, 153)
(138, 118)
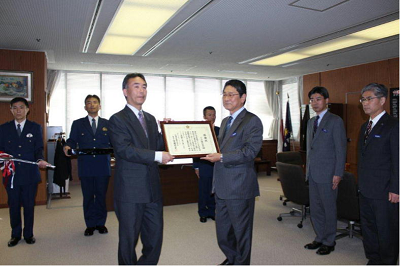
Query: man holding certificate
(138, 146)
(235, 180)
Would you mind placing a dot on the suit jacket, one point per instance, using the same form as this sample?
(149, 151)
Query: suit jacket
(378, 159)
(82, 137)
(235, 177)
(326, 152)
(28, 146)
(206, 168)
(137, 178)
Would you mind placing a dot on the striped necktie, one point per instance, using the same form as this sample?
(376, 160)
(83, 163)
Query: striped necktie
(228, 125)
(369, 128)
(143, 122)
(315, 125)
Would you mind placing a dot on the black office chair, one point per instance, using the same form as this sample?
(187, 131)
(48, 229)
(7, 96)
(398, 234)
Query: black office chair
(348, 208)
(295, 190)
(291, 157)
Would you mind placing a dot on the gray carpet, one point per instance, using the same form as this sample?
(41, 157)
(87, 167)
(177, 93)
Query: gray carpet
(60, 239)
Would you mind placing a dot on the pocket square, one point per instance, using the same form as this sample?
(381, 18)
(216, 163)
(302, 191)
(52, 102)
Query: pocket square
(234, 134)
(377, 136)
(324, 130)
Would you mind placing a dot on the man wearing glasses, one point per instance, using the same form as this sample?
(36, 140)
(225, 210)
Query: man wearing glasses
(235, 180)
(326, 158)
(378, 178)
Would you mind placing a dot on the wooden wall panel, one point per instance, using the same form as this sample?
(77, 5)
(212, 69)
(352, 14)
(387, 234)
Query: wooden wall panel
(12, 60)
(344, 86)
(309, 82)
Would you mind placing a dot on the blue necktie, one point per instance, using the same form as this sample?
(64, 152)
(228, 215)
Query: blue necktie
(94, 125)
(315, 125)
(19, 130)
(228, 125)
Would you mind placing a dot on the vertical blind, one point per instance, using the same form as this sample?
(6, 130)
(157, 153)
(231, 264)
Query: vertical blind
(179, 98)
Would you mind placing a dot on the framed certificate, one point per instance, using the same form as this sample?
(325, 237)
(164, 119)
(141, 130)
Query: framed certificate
(188, 139)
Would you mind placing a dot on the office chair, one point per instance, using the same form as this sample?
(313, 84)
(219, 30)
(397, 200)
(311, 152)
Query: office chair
(348, 208)
(291, 157)
(295, 190)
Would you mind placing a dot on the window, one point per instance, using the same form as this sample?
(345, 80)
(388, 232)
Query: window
(179, 98)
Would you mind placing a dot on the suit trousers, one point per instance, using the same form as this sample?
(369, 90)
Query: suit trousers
(145, 219)
(380, 229)
(323, 211)
(22, 195)
(206, 198)
(234, 222)
(94, 190)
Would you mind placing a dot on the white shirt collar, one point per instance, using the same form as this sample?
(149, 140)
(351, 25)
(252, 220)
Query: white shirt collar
(22, 124)
(136, 111)
(235, 114)
(376, 119)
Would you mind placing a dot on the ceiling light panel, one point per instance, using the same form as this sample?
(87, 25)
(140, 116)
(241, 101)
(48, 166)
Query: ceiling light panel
(375, 33)
(135, 22)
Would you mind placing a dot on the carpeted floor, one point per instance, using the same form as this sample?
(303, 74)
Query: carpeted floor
(60, 239)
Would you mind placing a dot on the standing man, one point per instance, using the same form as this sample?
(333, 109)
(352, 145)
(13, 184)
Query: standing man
(94, 171)
(204, 171)
(22, 139)
(138, 203)
(378, 178)
(326, 158)
(235, 179)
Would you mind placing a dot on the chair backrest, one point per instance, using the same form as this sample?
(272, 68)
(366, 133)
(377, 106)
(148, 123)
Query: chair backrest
(293, 182)
(291, 157)
(347, 200)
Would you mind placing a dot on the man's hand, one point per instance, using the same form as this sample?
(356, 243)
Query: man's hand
(393, 198)
(166, 157)
(335, 181)
(212, 157)
(43, 164)
(66, 148)
(197, 171)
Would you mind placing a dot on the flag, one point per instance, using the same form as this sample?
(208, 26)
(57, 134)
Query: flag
(288, 129)
(303, 129)
(8, 169)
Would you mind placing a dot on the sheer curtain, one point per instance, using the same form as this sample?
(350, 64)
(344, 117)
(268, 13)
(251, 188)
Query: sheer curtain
(53, 77)
(271, 89)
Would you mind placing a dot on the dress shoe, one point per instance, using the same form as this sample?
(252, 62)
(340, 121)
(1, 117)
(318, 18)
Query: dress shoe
(102, 229)
(89, 231)
(211, 217)
(325, 250)
(30, 240)
(313, 245)
(203, 219)
(226, 262)
(13, 241)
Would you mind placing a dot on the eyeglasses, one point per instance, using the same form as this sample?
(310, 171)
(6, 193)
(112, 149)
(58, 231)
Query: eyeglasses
(363, 100)
(229, 95)
(316, 99)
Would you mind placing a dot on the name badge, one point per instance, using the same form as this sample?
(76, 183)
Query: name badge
(377, 136)
(29, 135)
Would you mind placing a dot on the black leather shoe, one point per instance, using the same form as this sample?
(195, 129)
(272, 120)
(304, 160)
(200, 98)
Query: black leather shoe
(203, 219)
(102, 229)
(13, 241)
(211, 217)
(325, 250)
(313, 245)
(226, 262)
(89, 231)
(30, 240)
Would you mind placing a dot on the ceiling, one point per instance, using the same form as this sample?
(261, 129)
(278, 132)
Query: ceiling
(219, 39)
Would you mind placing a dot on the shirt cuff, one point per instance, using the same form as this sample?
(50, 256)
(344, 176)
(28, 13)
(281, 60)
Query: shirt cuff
(158, 156)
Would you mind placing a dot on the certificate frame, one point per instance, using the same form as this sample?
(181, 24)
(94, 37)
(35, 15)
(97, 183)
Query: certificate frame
(196, 138)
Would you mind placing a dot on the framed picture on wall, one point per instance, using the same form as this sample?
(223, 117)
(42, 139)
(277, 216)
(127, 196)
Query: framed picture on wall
(15, 84)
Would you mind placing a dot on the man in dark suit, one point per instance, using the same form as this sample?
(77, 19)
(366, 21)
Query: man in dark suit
(378, 178)
(22, 139)
(138, 146)
(204, 171)
(235, 179)
(94, 171)
(326, 158)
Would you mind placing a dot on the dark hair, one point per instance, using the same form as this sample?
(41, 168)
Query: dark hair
(238, 85)
(379, 90)
(19, 99)
(92, 96)
(208, 108)
(131, 76)
(321, 90)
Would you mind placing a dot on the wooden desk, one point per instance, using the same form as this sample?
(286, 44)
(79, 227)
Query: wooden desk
(179, 185)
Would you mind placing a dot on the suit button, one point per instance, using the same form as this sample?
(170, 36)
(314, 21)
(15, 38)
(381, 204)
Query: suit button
(19, 155)
(94, 139)
(94, 156)
(19, 146)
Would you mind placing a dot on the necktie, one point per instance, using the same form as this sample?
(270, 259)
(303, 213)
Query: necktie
(369, 127)
(19, 130)
(94, 125)
(315, 125)
(142, 122)
(228, 125)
